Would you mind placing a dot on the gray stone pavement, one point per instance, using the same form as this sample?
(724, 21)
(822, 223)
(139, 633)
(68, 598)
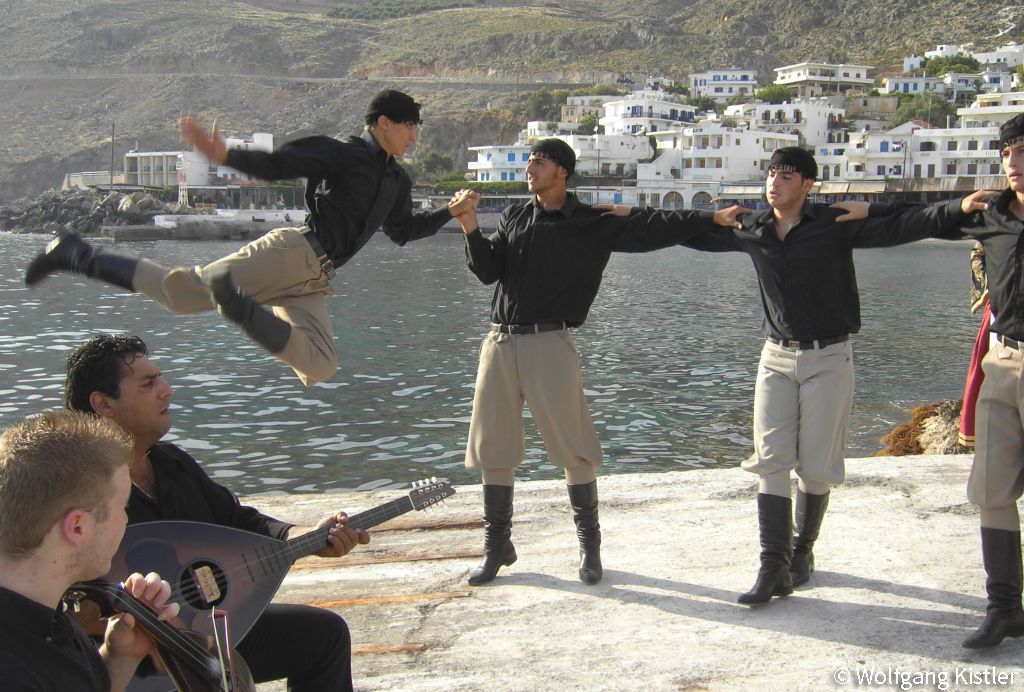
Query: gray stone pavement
(899, 585)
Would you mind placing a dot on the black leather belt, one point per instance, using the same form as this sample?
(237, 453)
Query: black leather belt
(535, 328)
(325, 262)
(1010, 343)
(809, 345)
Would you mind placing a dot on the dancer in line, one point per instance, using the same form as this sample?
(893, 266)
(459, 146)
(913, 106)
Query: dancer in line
(547, 259)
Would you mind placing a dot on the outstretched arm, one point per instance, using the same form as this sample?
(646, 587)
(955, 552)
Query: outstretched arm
(856, 210)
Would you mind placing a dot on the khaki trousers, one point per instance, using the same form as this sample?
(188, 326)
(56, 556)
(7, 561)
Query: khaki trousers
(279, 270)
(802, 403)
(997, 474)
(542, 371)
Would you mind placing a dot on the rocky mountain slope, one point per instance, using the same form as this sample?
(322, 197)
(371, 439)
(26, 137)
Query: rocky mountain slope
(70, 70)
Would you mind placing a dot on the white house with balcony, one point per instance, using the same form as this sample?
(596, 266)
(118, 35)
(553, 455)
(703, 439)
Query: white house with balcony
(500, 163)
(916, 86)
(821, 78)
(645, 112)
(915, 150)
(814, 120)
(692, 164)
(723, 84)
(991, 110)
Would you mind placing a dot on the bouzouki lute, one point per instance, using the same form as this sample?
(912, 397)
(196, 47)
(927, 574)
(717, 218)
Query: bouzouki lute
(211, 566)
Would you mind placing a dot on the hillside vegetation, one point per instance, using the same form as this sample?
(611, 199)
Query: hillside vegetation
(69, 70)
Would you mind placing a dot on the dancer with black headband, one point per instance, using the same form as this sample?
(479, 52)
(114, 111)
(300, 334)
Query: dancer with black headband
(276, 287)
(547, 259)
(803, 255)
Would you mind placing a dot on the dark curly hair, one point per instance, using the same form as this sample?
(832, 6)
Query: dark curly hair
(99, 365)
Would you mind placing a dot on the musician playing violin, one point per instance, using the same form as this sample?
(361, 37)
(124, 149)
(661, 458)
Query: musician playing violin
(64, 483)
(113, 377)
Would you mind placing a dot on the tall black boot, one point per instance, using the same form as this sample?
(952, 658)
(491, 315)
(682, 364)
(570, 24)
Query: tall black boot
(262, 325)
(1004, 617)
(68, 252)
(774, 518)
(498, 548)
(810, 510)
(583, 499)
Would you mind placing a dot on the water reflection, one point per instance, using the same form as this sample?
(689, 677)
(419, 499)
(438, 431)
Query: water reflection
(668, 359)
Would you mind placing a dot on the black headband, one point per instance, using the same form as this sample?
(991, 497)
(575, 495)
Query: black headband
(558, 151)
(1011, 132)
(796, 160)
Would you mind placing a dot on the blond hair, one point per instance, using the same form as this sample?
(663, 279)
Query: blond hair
(53, 463)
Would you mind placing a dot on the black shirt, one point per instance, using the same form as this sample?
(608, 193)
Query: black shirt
(352, 189)
(548, 265)
(807, 280)
(185, 493)
(1000, 234)
(44, 650)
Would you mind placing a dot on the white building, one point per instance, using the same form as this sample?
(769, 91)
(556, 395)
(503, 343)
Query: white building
(815, 120)
(723, 84)
(1011, 55)
(945, 51)
(577, 108)
(916, 150)
(500, 163)
(645, 112)
(822, 78)
(913, 85)
(692, 164)
(173, 168)
(913, 62)
(609, 155)
(991, 110)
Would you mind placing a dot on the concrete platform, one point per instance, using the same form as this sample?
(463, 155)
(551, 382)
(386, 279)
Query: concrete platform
(899, 585)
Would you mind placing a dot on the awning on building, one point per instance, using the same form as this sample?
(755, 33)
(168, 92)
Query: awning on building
(862, 187)
(741, 190)
(833, 188)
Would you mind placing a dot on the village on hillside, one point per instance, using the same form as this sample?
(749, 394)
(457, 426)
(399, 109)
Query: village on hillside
(646, 147)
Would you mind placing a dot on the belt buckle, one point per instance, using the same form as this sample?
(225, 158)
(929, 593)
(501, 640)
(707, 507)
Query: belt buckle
(791, 344)
(328, 267)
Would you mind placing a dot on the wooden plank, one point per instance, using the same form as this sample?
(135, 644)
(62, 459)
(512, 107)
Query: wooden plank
(411, 648)
(350, 559)
(394, 598)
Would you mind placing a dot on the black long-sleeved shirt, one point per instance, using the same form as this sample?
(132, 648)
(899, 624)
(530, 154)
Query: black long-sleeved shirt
(185, 493)
(548, 265)
(1000, 233)
(44, 650)
(807, 280)
(352, 189)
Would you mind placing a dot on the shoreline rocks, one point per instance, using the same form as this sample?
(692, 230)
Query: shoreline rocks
(85, 212)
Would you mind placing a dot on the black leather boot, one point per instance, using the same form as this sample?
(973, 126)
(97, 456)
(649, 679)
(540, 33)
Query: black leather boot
(498, 549)
(1004, 617)
(583, 499)
(810, 510)
(262, 325)
(774, 518)
(68, 252)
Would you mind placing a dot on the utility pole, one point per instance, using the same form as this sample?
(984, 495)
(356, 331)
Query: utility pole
(111, 156)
